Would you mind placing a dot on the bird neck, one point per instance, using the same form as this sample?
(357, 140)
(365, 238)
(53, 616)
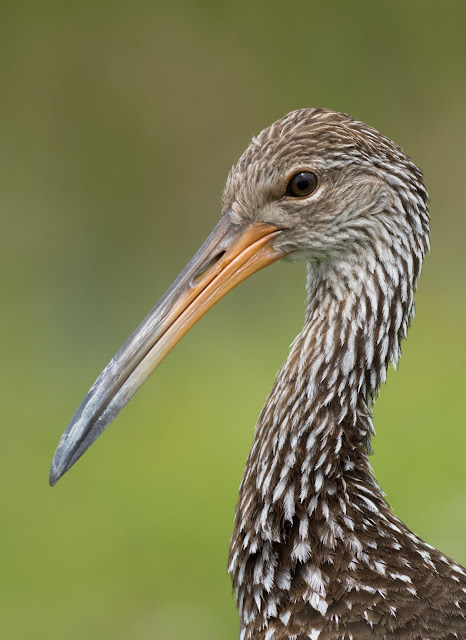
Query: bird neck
(308, 487)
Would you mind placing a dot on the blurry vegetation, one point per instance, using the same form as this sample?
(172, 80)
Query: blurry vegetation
(119, 122)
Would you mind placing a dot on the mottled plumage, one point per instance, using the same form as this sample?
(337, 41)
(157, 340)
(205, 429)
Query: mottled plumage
(316, 550)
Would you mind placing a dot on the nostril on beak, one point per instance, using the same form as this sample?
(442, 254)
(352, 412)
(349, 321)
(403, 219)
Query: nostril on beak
(208, 265)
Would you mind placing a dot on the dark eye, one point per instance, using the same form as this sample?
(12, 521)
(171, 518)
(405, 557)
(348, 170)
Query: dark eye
(301, 185)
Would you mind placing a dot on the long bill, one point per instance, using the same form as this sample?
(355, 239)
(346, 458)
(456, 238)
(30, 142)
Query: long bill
(230, 254)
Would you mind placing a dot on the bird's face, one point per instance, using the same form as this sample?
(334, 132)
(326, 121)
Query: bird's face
(322, 178)
(314, 185)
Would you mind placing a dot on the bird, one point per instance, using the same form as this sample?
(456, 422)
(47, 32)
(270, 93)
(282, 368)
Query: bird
(316, 551)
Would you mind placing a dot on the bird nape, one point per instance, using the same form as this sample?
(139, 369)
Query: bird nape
(316, 551)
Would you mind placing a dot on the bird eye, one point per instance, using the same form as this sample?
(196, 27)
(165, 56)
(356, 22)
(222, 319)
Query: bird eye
(302, 185)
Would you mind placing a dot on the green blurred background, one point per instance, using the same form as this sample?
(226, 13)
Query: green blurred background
(119, 122)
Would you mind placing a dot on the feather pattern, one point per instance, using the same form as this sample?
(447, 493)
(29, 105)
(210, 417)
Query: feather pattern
(316, 550)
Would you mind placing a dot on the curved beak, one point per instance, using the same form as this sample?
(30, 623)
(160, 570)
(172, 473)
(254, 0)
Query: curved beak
(230, 254)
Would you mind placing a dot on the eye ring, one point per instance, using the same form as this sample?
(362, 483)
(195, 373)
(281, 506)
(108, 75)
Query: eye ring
(301, 185)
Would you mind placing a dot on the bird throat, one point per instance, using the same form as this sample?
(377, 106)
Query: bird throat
(309, 510)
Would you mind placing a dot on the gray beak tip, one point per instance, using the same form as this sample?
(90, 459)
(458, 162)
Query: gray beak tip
(53, 477)
(57, 469)
(62, 460)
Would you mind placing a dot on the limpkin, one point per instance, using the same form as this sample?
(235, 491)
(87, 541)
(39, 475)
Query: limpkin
(316, 551)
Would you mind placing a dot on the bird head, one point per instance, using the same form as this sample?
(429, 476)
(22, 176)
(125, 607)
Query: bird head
(332, 184)
(316, 185)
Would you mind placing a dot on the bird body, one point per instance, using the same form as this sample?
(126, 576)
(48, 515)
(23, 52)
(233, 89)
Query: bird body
(316, 551)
